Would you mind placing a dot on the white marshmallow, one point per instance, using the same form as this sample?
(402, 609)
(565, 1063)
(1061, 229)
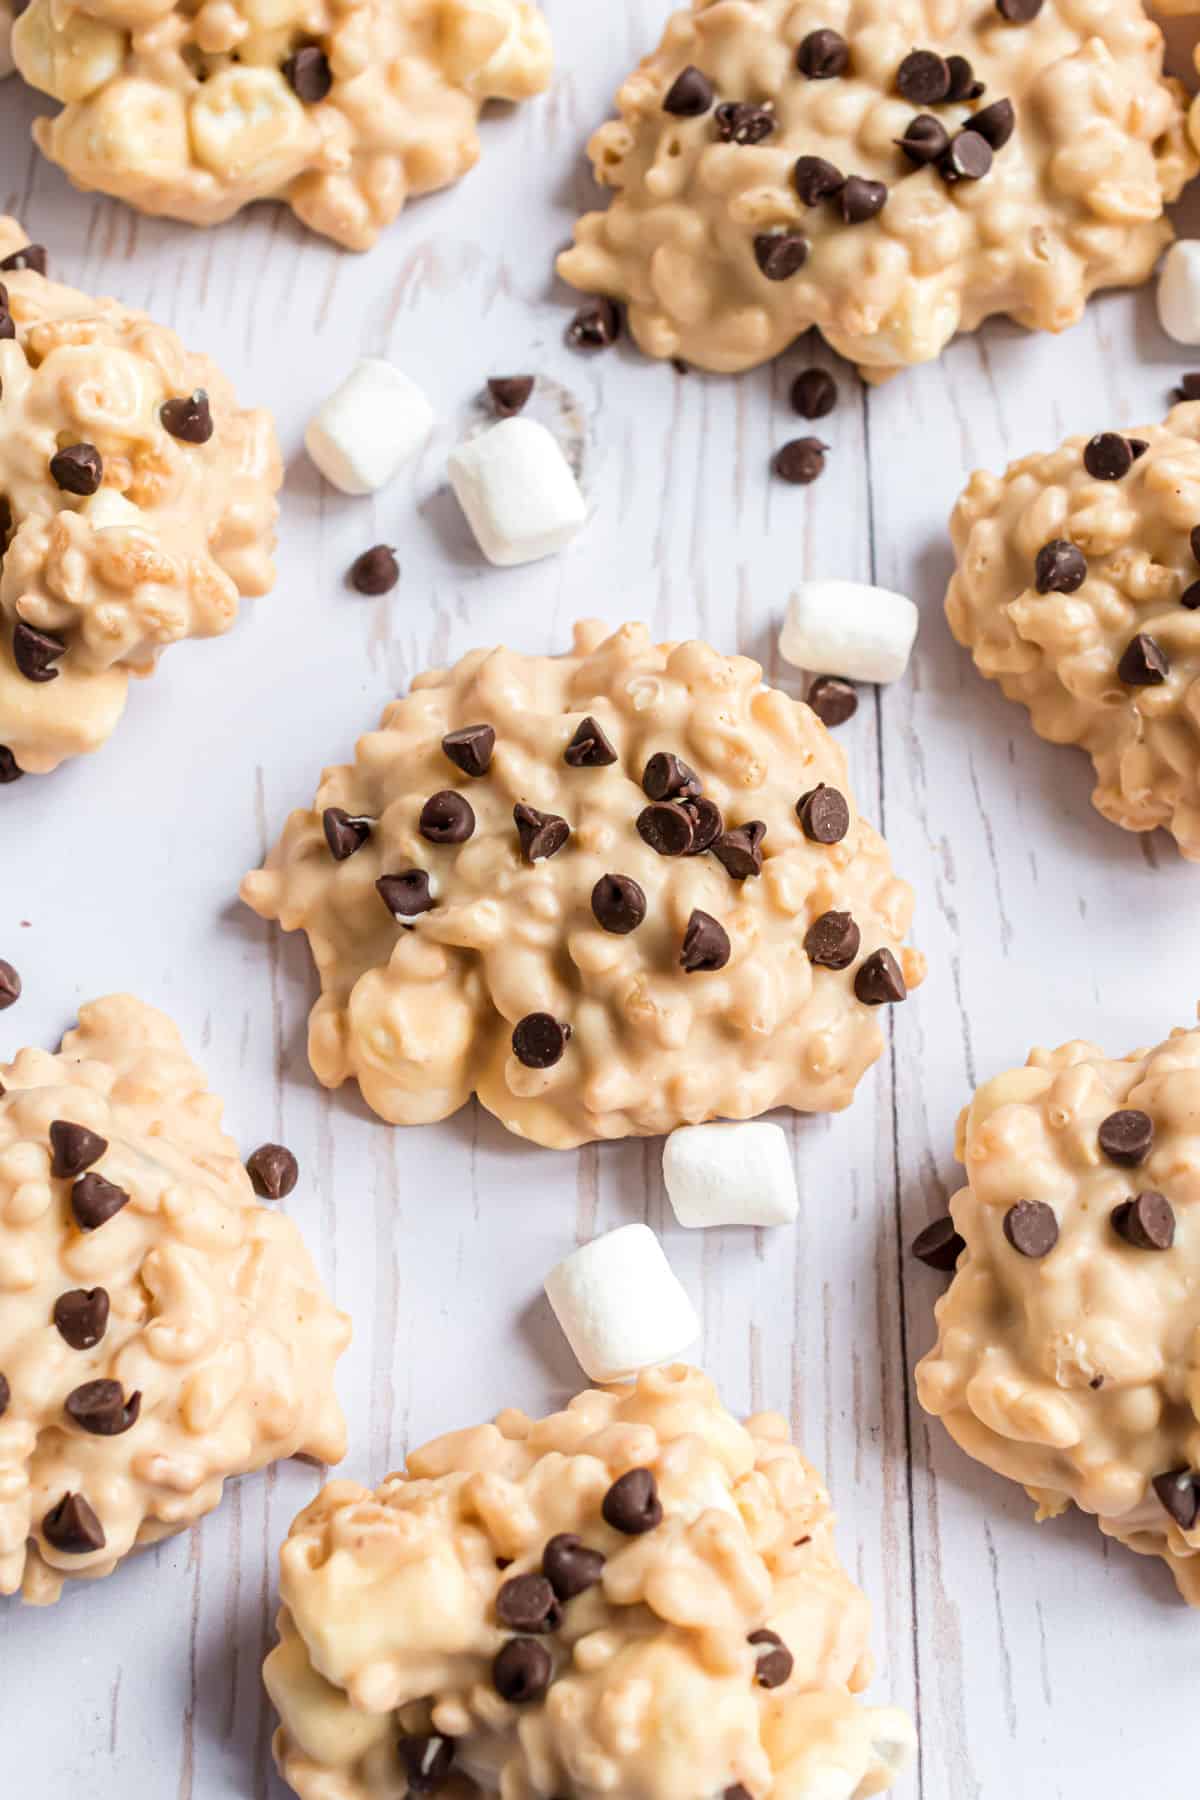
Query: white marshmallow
(730, 1174)
(1179, 291)
(847, 628)
(107, 508)
(620, 1305)
(369, 428)
(518, 492)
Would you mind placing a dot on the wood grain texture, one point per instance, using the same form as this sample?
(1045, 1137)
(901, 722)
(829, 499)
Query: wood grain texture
(1035, 1660)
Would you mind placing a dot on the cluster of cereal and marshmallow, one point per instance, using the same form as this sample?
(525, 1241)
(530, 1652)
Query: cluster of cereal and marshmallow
(137, 505)
(160, 1329)
(526, 926)
(1067, 1343)
(634, 1596)
(1077, 588)
(341, 108)
(729, 234)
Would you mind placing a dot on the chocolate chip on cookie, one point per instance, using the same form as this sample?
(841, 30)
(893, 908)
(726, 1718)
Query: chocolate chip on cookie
(81, 1316)
(1031, 1228)
(1126, 1137)
(446, 818)
(689, 95)
(427, 1763)
(939, 1246)
(1179, 1494)
(1108, 456)
(1147, 1222)
(78, 469)
(188, 418)
(1144, 662)
(344, 832)
(631, 1505)
(94, 1201)
(1059, 568)
(538, 1040)
(1190, 596)
(10, 768)
(100, 1407)
(590, 747)
(823, 814)
(618, 904)
(596, 325)
(859, 199)
(832, 941)
(832, 699)
(509, 394)
(667, 777)
(308, 74)
(10, 986)
(963, 82)
(542, 835)
(924, 78)
(969, 158)
(707, 824)
(528, 1603)
(996, 123)
(1019, 12)
(30, 256)
(816, 180)
(880, 980)
(1189, 386)
(273, 1171)
(521, 1671)
(780, 254)
(73, 1149)
(5, 1395)
(800, 461)
(470, 749)
(773, 1661)
(823, 55)
(406, 895)
(36, 652)
(740, 122)
(739, 851)
(706, 946)
(376, 571)
(925, 140)
(666, 827)
(72, 1527)
(569, 1566)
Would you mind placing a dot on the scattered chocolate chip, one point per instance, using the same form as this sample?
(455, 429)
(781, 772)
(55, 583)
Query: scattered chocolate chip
(596, 325)
(832, 699)
(800, 461)
(308, 74)
(538, 1040)
(823, 814)
(963, 84)
(509, 394)
(773, 1660)
(880, 980)
(739, 851)
(1031, 1228)
(925, 140)
(81, 1316)
(446, 818)
(1107, 456)
(344, 832)
(542, 834)
(72, 1527)
(273, 1171)
(100, 1408)
(10, 986)
(705, 945)
(860, 199)
(689, 95)
(969, 158)
(996, 123)
(1189, 386)
(29, 256)
(1144, 662)
(739, 122)
(590, 748)
(780, 254)
(815, 180)
(631, 1505)
(74, 1149)
(707, 824)
(528, 1603)
(188, 418)
(1179, 1493)
(470, 749)
(1060, 568)
(10, 768)
(1126, 1137)
(376, 571)
(1190, 596)
(78, 469)
(923, 78)
(36, 652)
(939, 1246)
(406, 895)
(823, 55)
(427, 1762)
(1147, 1221)
(667, 777)
(618, 904)
(814, 394)
(1019, 12)
(832, 941)
(569, 1566)
(521, 1671)
(94, 1201)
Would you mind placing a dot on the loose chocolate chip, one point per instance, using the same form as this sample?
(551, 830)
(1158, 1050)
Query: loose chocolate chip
(823, 55)
(832, 941)
(1107, 456)
(528, 1603)
(963, 85)
(100, 1407)
(427, 1762)
(81, 1316)
(1147, 1221)
(1190, 596)
(446, 818)
(590, 748)
(596, 325)
(815, 180)
(738, 122)
(94, 1201)
(1144, 662)
(689, 95)
(880, 980)
(832, 699)
(739, 851)
(344, 832)
(470, 749)
(1179, 1493)
(668, 777)
(1031, 1228)
(773, 1660)
(407, 895)
(618, 904)
(1060, 568)
(939, 1246)
(1126, 1137)
(800, 461)
(74, 1149)
(995, 123)
(10, 986)
(780, 254)
(569, 1566)
(78, 469)
(814, 394)
(376, 571)
(509, 394)
(10, 768)
(631, 1505)
(73, 1528)
(925, 140)
(924, 78)
(860, 199)
(1019, 12)
(35, 652)
(308, 74)
(29, 256)
(1189, 386)
(542, 834)
(823, 814)
(521, 1671)
(969, 158)
(188, 418)
(705, 945)
(538, 1040)
(707, 824)
(273, 1171)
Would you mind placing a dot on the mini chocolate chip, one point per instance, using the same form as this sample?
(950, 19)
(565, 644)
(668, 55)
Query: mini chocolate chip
(8, 327)
(72, 1527)
(963, 85)
(773, 1660)
(1194, 541)
(376, 571)
(880, 980)
(427, 1762)
(542, 834)
(596, 325)
(668, 777)
(1147, 1221)
(1189, 386)
(1060, 568)
(1179, 1494)
(737, 1792)
(832, 941)
(860, 199)
(78, 469)
(81, 1316)
(815, 180)
(1144, 662)
(1137, 447)
(939, 1246)
(273, 1171)
(1019, 12)
(5, 1395)
(1031, 1228)
(188, 418)
(29, 256)
(521, 1671)
(823, 55)
(35, 652)
(996, 123)
(707, 824)
(705, 945)
(509, 394)
(538, 1040)
(1190, 596)
(1126, 1137)
(969, 158)
(814, 394)
(800, 461)
(100, 1408)
(446, 818)
(631, 1505)
(780, 254)
(689, 95)
(406, 895)
(308, 74)
(618, 904)
(832, 699)
(74, 1148)
(590, 748)
(10, 986)
(739, 851)
(1107, 456)
(740, 122)
(528, 1603)
(925, 140)
(666, 827)
(344, 832)
(10, 768)
(823, 814)
(470, 749)
(924, 78)
(94, 1201)
(569, 1566)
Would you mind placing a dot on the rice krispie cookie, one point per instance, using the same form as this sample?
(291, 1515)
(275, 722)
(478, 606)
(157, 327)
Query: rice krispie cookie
(160, 1330)
(340, 108)
(890, 171)
(1077, 589)
(637, 1596)
(611, 892)
(1067, 1344)
(137, 506)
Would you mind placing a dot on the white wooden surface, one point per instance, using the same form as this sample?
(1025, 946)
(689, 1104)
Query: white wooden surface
(1038, 1660)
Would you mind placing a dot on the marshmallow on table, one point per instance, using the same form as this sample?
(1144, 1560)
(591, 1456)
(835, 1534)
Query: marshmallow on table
(1179, 292)
(730, 1174)
(621, 1306)
(847, 628)
(369, 427)
(518, 492)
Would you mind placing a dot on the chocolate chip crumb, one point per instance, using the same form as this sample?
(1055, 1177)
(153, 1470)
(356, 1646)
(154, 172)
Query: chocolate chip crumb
(273, 1171)
(1031, 1228)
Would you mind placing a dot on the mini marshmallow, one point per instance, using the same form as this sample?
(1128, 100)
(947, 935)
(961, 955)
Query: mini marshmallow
(518, 492)
(1179, 291)
(107, 509)
(621, 1306)
(369, 428)
(847, 628)
(730, 1174)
